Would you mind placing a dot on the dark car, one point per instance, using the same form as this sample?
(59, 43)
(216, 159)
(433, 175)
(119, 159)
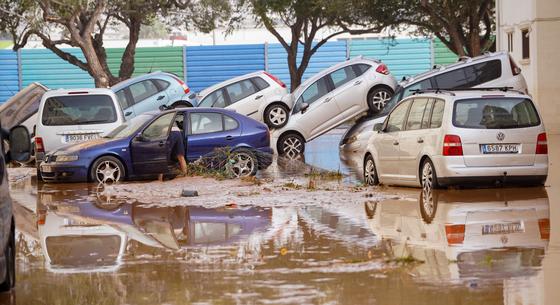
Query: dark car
(141, 147)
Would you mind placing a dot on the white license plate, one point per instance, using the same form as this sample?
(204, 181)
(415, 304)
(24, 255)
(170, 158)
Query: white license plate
(46, 168)
(503, 228)
(77, 138)
(499, 148)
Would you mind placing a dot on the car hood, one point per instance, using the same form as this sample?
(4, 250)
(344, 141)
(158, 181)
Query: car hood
(102, 143)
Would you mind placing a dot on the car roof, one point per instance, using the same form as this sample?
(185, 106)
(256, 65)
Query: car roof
(463, 61)
(212, 88)
(78, 91)
(128, 82)
(477, 93)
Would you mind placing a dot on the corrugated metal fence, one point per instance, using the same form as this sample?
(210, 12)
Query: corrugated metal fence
(203, 66)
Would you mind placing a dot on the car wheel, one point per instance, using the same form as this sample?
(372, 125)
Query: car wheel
(428, 204)
(10, 259)
(377, 99)
(242, 163)
(291, 146)
(370, 172)
(276, 116)
(107, 169)
(181, 105)
(370, 207)
(428, 175)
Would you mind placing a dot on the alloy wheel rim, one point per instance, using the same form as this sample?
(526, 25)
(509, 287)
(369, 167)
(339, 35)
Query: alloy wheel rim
(428, 201)
(369, 173)
(108, 171)
(242, 165)
(379, 99)
(427, 176)
(277, 115)
(292, 147)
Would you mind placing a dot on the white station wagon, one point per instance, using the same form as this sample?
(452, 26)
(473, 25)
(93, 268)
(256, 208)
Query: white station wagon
(440, 138)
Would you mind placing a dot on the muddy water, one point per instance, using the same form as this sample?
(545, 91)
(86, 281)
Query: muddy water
(490, 246)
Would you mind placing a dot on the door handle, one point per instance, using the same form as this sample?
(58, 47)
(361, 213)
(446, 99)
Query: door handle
(395, 142)
(420, 140)
(258, 97)
(328, 99)
(229, 138)
(159, 98)
(127, 113)
(357, 82)
(161, 143)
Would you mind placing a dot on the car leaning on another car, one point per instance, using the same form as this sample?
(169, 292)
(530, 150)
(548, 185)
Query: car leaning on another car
(443, 138)
(151, 91)
(332, 97)
(258, 95)
(140, 148)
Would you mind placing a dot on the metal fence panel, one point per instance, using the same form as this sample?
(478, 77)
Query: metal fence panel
(328, 55)
(402, 56)
(208, 65)
(167, 59)
(8, 74)
(442, 54)
(45, 67)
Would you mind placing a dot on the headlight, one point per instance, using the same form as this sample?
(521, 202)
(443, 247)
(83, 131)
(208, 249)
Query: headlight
(66, 158)
(351, 140)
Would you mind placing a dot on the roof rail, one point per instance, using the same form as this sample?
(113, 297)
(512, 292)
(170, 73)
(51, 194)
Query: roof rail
(431, 90)
(464, 58)
(444, 90)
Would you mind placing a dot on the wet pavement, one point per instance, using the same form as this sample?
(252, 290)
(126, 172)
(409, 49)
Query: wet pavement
(476, 246)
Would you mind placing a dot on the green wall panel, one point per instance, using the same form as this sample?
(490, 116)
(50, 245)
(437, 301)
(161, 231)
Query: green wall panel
(442, 54)
(168, 59)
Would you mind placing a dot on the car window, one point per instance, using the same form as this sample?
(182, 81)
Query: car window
(161, 84)
(495, 113)
(142, 90)
(206, 122)
(414, 120)
(79, 110)
(437, 114)
(240, 90)
(230, 123)
(261, 83)
(427, 114)
(159, 128)
(342, 76)
(470, 76)
(314, 92)
(396, 118)
(425, 84)
(360, 69)
(121, 98)
(214, 99)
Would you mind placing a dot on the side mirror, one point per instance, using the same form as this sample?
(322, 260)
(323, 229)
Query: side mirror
(303, 107)
(163, 108)
(140, 138)
(378, 127)
(20, 144)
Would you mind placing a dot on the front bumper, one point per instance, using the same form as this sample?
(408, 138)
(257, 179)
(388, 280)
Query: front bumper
(56, 172)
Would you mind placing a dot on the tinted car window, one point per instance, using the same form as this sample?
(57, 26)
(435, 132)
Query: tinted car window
(142, 90)
(230, 123)
(437, 114)
(261, 83)
(241, 90)
(206, 122)
(161, 84)
(215, 99)
(495, 113)
(360, 69)
(160, 127)
(396, 118)
(342, 76)
(79, 109)
(470, 76)
(416, 114)
(314, 92)
(425, 84)
(427, 114)
(121, 98)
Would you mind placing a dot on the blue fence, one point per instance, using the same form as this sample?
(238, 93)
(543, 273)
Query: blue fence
(204, 66)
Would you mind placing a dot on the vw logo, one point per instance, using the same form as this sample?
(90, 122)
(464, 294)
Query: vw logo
(500, 136)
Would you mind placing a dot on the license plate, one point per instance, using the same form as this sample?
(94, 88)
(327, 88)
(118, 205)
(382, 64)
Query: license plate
(499, 148)
(76, 138)
(503, 228)
(46, 168)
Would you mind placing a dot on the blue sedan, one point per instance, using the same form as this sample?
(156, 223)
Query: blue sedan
(141, 148)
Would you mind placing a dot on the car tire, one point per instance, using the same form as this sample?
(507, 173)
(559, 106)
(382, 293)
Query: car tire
(10, 258)
(291, 146)
(428, 204)
(107, 169)
(377, 98)
(370, 172)
(276, 116)
(181, 105)
(242, 162)
(370, 207)
(428, 175)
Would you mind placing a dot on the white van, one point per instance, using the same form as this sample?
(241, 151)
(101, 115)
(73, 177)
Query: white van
(72, 116)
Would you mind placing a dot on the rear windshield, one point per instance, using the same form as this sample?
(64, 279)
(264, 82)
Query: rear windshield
(79, 110)
(495, 113)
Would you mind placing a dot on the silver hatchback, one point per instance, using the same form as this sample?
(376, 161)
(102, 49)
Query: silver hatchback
(441, 138)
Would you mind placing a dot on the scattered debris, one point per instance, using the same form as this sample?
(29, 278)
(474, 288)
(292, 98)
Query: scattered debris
(189, 193)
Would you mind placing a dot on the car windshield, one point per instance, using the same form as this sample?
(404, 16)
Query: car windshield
(79, 110)
(128, 129)
(495, 113)
(392, 102)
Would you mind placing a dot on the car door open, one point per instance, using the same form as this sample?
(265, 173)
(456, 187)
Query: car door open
(150, 148)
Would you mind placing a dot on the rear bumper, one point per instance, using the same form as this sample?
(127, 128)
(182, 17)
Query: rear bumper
(493, 180)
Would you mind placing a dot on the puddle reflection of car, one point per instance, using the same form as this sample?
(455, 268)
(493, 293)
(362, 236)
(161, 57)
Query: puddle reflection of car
(457, 234)
(141, 147)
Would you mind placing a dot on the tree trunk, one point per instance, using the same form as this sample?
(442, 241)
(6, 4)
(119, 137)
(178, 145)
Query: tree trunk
(100, 76)
(295, 79)
(127, 60)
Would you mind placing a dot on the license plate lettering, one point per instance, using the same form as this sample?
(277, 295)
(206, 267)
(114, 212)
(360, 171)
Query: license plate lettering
(76, 138)
(499, 148)
(503, 228)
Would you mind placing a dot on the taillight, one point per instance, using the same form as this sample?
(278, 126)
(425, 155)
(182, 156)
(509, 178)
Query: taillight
(182, 83)
(544, 228)
(542, 144)
(514, 68)
(455, 234)
(276, 79)
(382, 68)
(39, 147)
(452, 145)
(41, 217)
